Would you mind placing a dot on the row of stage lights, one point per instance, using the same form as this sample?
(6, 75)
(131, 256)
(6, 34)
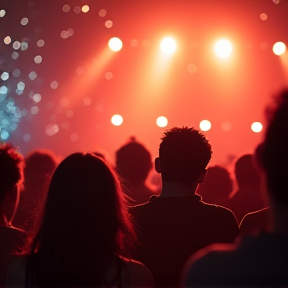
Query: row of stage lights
(223, 47)
(204, 125)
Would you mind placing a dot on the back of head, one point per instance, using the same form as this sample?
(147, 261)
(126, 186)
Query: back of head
(274, 151)
(39, 166)
(11, 168)
(246, 172)
(184, 154)
(85, 221)
(217, 185)
(133, 162)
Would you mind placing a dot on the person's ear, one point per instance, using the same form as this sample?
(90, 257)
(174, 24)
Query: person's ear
(202, 176)
(158, 165)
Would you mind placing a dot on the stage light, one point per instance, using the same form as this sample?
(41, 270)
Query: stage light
(85, 8)
(256, 127)
(223, 48)
(279, 48)
(7, 40)
(162, 121)
(205, 125)
(117, 120)
(168, 45)
(115, 44)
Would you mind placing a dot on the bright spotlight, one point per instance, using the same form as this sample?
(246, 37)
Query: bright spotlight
(279, 48)
(117, 120)
(168, 45)
(256, 127)
(162, 121)
(115, 44)
(205, 125)
(223, 48)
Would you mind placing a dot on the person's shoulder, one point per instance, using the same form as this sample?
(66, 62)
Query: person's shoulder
(207, 266)
(140, 275)
(15, 275)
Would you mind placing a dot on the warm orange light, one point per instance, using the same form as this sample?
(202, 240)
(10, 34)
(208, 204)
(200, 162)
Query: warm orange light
(168, 45)
(115, 44)
(256, 127)
(162, 121)
(223, 48)
(85, 8)
(117, 120)
(279, 48)
(205, 125)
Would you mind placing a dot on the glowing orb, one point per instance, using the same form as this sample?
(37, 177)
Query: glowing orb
(115, 44)
(205, 125)
(117, 120)
(256, 127)
(162, 121)
(223, 48)
(168, 45)
(279, 48)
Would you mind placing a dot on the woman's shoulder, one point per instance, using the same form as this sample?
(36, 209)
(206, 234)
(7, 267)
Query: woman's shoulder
(15, 275)
(139, 274)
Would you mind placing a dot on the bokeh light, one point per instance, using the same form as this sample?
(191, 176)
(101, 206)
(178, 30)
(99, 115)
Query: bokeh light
(32, 75)
(192, 68)
(223, 48)
(54, 85)
(36, 97)
(74, 137)
(256, 127)
(52, 129)
(108, 24)
(168, 45)
(16, 72)
(15, 55)
(134, 43)
(102, 13)
(7, 40)
(115, 44)
(24, 21)
(226, 126)
(85, 8)
(263, 16)
(24, 46)
(109, 76)
(38, 59)
(16, 45)
(279, 48)
(4, 76)
(2, 13)
(26, 137)
(21, 86)
(117, 120)
(40, 43)
(205, 125)
(4, 135)
(66, 8)
(77, 10)
(162, 121)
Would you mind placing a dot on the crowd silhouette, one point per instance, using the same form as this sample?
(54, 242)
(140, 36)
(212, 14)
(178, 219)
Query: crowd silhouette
(82, 223)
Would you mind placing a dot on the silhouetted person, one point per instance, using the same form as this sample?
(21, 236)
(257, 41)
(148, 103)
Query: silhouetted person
(39, 167)
(255, 222)
(133, 164)
(257, 261)
(248, 197)
(217, 186)
(84, 233)
(178, 223)
(11, 177)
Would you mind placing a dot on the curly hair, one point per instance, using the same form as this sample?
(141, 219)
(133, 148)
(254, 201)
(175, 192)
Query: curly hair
(11, 167)
(184, 153)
